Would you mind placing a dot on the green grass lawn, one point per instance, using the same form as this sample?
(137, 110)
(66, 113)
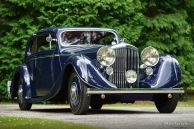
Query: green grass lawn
(35, 123)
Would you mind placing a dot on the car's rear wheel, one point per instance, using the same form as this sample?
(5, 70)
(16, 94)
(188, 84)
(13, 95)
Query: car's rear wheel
(166, 103)
(22, 104)
(78, 99)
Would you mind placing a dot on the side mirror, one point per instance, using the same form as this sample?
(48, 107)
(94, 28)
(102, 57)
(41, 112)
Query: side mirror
(28, 53)
(49, 39)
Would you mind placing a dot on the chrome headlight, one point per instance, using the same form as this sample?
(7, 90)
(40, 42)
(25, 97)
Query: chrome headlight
(150, 56)
(106, 56)
(131, 76)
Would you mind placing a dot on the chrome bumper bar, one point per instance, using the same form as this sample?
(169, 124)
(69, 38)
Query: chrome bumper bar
(135, 91)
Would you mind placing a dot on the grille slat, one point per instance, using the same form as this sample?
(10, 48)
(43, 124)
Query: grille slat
(126, 59)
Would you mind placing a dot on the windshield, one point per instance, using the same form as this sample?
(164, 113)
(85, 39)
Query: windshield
(88, 37)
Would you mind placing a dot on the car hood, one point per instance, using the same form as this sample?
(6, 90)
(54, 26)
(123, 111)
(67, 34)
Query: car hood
(73, 49)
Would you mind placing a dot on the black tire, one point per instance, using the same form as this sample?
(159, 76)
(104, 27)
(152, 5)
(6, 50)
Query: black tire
(96, 102)
(96, 106)
(78, 99)
(22, 104)
(165, 104)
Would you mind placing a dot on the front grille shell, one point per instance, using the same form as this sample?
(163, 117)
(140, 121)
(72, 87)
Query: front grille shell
(127, 58)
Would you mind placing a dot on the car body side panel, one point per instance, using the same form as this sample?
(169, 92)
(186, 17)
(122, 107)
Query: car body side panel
(47, 69)
(87, 72)
(167, 74)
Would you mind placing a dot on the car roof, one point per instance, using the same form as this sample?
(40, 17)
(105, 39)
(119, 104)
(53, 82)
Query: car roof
(56, 29)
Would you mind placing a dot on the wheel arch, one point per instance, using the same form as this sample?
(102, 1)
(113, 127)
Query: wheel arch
(88, 73)
(67, 72)
(62, 95)
(167, 74)
(14, 85)
(23, 74)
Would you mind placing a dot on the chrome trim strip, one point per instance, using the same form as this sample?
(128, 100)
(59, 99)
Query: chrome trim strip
(135, 91)
(44, 56)
(123, 45)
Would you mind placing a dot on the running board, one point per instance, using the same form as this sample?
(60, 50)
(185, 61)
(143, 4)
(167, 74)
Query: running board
(135, 91)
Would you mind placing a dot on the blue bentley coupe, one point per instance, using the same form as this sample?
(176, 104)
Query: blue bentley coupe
(89, 67)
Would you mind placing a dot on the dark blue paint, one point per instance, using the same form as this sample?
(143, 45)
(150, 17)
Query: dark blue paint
(88, 73)
(167, 74)
(47, 71)
(23, 71)
(43, 77)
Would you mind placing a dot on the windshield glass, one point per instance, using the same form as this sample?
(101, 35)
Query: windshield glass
(88, 37)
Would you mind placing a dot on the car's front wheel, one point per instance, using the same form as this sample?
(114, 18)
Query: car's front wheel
(78, 99)
(22, 104)
(166, 103)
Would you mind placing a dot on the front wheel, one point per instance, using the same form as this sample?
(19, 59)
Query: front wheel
(22, 104)
(78, 99)
(166, 103)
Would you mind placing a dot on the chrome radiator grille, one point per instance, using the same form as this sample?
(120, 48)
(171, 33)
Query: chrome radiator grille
(126, 59)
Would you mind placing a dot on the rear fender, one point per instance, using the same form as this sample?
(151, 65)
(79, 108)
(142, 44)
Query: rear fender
(23, 74)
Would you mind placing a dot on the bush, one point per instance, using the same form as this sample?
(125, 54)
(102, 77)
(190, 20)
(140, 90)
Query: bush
(167, 25)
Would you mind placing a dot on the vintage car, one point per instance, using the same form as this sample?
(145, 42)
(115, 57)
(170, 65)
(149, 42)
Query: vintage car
(91, 67)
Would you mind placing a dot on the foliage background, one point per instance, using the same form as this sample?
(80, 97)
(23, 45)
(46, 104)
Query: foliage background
(167, 25)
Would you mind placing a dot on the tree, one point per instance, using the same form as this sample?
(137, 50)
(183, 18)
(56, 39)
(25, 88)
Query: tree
(167, 25)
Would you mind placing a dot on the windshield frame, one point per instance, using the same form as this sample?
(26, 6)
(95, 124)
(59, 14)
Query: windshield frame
(86, 29)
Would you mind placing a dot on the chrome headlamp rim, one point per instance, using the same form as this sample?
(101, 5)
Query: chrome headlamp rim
(113, 53)
(157, 60)
(131, 76)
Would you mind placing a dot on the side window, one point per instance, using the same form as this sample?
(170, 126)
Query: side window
(43, 44)
(33, 46)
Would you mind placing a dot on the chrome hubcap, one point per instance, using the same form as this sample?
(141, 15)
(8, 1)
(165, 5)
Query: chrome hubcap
(20, 93)
(74, 96)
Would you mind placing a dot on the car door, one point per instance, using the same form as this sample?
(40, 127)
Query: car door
(30, 60)
(47, 63)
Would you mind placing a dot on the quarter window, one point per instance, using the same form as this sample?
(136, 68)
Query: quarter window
(33, 46)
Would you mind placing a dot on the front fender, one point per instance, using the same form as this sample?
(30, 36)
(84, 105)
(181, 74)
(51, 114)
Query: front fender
(167, 74)
(88, 73)
(23, 74)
